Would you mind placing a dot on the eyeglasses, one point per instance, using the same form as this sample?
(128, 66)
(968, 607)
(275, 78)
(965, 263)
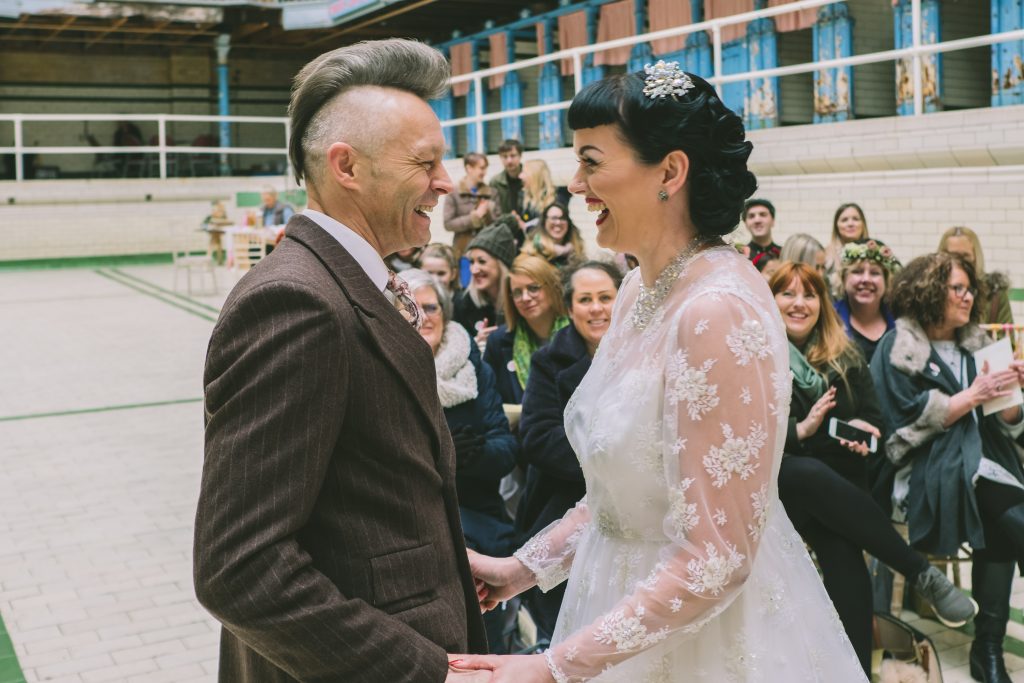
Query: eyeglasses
(558, 219)
(962, 290)
(430, 309)
(533, 290)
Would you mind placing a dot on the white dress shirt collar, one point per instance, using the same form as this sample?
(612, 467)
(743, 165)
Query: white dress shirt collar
(365, 255)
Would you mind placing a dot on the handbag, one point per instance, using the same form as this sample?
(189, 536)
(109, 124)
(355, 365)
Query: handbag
(901, 653)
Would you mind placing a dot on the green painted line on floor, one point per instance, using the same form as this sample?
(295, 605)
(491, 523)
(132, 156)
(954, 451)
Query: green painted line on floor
(100, 409)
(128, 283)
(169, 292)
(86, 262)
(10, 670)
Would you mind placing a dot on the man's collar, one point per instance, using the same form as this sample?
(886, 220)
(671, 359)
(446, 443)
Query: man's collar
(364, 254)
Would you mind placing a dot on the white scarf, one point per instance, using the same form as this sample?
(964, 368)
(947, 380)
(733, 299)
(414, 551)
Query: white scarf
(456, 376)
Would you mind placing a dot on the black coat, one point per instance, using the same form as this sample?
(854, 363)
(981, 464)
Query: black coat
(484, 520)
(471, 316)
(554, 479)
(857, 400)
(498, 355)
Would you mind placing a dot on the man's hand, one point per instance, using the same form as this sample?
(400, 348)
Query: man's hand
(498, 578)
(505, 669)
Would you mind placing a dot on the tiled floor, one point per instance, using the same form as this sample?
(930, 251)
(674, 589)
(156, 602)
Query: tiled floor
(100, 454)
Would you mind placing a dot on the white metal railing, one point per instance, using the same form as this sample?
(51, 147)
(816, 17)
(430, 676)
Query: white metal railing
(162, 149)
(914, 52)
(717, 79)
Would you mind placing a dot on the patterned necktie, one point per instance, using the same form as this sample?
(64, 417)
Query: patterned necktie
(404, 301)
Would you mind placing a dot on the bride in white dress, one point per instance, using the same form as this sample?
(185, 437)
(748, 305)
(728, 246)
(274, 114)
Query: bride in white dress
(682, 565)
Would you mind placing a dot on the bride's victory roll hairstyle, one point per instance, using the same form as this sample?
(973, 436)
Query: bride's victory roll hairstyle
(697, 122)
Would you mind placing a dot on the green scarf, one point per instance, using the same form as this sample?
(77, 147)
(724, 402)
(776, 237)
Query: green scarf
(525, 343)
(809, 381)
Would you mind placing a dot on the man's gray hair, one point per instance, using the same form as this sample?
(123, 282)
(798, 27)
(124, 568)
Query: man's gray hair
(395, 63)
(416, 278)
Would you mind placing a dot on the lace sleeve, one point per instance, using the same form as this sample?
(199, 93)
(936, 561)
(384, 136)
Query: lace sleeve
(549, 554)
(725, 386)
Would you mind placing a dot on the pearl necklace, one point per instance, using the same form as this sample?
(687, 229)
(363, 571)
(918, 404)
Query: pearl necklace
(650, 300)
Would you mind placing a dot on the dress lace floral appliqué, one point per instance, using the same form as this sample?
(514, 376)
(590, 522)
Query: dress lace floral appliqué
(736, 455)
(691, 385)
(711, 575)
(626, 633)
(748, 342)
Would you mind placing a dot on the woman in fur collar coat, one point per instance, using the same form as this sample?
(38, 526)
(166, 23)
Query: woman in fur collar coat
(958, 475)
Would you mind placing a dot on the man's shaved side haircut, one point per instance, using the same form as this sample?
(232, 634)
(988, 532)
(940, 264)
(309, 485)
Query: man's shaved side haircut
(396, 63)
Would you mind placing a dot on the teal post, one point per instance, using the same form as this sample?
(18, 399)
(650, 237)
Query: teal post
(641, 53)
(471, 109)
(762, 109)
(444, 107)
(833, 88)
(550, 93)
(931, 65)
(511, 94)
(591, 73)
(1007, 57)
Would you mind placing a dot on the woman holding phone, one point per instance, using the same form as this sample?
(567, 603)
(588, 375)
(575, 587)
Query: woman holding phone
(823, 478)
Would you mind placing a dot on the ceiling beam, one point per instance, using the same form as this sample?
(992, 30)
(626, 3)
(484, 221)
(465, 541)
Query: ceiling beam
(113, 27)
(87, 28)
(375, 19)
(67, 22)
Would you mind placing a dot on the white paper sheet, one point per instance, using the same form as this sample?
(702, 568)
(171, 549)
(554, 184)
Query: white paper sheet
(999, 356)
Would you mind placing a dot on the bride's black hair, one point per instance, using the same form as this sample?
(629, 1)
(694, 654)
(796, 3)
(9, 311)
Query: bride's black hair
(698, 123)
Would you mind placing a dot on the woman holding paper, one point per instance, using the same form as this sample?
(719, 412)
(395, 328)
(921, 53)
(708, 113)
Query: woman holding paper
(958, 477)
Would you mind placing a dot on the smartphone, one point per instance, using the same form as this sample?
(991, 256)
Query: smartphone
(838, 429)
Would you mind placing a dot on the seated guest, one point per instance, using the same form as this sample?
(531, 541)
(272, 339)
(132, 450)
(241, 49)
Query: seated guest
(534, 311)
(865, 271)
(823, 481)
(485, 448)
(538, 192)
(994, 304)
(404, 259)
(768, 266)
(439, 260)
(554, 480)
(959, 478)
(479, 307)
(848, 225)
(802, 248)
(273, 211)
(471, 206)
(759, 219)
(557, 238)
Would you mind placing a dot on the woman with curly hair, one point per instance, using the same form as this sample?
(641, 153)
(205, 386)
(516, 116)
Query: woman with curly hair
(995, 306)
(557, 238)
(865, 272)
(681, 563)
(958, 477)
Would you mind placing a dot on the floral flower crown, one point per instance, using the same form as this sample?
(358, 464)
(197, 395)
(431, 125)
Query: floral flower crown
(870, 251)
(664, 79)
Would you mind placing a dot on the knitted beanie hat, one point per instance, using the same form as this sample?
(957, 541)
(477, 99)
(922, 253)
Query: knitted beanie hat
(497, 240)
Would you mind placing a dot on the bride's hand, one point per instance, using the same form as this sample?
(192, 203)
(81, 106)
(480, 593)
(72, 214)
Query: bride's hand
(506, 669)
(498, 578)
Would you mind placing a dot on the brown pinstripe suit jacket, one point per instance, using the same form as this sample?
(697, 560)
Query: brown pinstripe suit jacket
(327, 538)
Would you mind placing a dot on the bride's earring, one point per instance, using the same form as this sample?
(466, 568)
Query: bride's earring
(663, 195)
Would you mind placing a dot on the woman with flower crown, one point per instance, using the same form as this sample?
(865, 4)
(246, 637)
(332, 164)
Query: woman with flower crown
(866, 268)
(681, 563)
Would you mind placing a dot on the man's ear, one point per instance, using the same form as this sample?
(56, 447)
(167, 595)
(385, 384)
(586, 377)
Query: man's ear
(676, 167)
(341, 164)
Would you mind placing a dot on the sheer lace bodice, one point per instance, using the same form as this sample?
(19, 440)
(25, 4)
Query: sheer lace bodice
(679, 427)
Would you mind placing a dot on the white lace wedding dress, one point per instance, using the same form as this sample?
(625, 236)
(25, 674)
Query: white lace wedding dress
(682, 564)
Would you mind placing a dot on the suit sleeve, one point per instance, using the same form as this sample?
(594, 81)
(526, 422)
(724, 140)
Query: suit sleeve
(542, 426)
(276, 379)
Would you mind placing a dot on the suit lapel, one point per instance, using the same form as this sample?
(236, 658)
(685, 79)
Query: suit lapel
(400, 345)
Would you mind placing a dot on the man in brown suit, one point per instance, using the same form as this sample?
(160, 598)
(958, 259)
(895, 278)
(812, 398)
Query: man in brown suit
(327, 537)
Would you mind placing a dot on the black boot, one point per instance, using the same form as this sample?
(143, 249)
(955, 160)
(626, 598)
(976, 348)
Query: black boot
(990, 583)
(1011, 524)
